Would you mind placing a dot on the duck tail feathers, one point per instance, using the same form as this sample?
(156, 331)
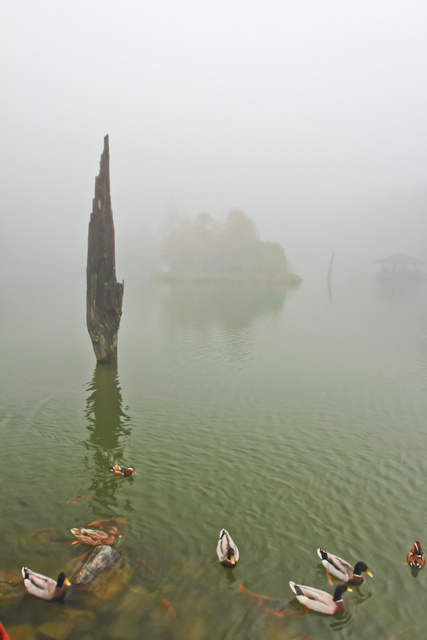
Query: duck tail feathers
(322, 554)
(295, 588)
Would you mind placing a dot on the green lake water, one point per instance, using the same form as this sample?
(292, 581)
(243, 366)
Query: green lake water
(295, 418)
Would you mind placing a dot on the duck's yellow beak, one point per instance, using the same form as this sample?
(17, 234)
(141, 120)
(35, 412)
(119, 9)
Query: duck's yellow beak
(368, 573)
(67, 582)
(348, 589)
(232, 560)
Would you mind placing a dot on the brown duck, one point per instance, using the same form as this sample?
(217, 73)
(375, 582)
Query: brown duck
(94, 537)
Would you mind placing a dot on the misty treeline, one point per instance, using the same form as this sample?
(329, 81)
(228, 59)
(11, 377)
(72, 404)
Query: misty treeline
(208, 245)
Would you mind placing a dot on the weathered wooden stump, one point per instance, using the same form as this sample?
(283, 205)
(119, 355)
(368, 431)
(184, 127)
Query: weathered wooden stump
(101, 558)
(104, 295)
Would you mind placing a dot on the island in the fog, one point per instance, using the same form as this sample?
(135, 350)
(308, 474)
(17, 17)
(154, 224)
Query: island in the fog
(207, 250)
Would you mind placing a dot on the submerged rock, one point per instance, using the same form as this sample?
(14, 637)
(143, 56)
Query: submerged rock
(124, 626)
(22, 632)
(11, 576)
(82, 620)
(137, 601)
(110, 584)
(56, 630)
(196, 628)
(10, 586)
(73, 566)
(101, 558)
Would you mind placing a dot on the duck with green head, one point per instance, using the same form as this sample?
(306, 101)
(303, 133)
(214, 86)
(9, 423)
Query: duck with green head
(226, 549)
(43, 587)
(321, 601)
(343, 570)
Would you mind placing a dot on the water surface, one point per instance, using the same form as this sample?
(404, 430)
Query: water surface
(295, 418)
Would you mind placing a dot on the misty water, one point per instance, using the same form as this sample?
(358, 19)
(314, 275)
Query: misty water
(295, 418)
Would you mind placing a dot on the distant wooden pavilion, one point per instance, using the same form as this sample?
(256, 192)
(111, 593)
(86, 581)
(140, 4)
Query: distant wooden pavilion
(399, 263)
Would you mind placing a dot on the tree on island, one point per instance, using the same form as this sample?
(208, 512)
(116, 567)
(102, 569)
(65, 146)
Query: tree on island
(205, 245)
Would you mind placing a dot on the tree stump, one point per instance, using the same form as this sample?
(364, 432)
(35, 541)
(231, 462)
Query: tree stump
(104, 295)
(101, 558)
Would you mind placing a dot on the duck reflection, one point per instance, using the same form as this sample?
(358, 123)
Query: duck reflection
(108, 430)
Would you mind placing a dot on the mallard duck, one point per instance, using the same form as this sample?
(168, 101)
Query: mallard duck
(415, 557)
(43, 587)
(122, 471)
(342, 569)
(226, 550)
(320, 601)
(94, 537)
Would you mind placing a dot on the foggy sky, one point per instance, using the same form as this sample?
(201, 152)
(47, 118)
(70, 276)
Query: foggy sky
(310, 115)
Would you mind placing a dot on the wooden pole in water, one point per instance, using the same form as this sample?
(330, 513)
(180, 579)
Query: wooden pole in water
(104, 295)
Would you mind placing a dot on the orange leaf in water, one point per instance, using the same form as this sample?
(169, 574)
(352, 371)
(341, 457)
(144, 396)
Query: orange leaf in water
(401, 634)
(3, 634)
(107, 523)
(145, 567)
(168, 607)
(74, 499)
(270, 605)
(43, 535)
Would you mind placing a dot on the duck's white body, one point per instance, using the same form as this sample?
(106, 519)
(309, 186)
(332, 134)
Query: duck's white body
(337, 567)
(226, 550)
(43, 587)
(318, 600)
(342, 569)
